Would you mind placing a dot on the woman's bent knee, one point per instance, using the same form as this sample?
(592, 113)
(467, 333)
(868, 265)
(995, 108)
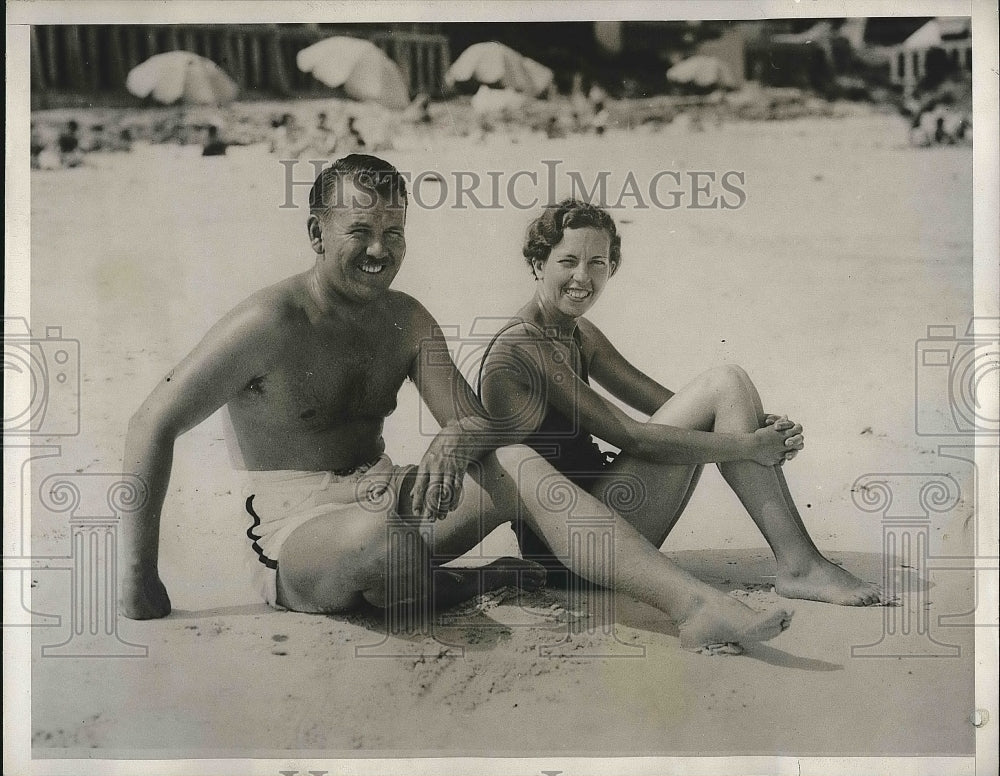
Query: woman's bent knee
(728, 376)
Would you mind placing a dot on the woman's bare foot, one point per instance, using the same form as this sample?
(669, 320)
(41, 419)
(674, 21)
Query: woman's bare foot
(723, 626)
(824, 581)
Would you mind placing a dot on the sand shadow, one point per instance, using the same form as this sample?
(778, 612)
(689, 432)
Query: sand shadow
(777, 657)
(755, 569)
(461, 627)
(221, 611)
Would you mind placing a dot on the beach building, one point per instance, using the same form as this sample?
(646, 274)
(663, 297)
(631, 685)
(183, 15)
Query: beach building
(908, 60)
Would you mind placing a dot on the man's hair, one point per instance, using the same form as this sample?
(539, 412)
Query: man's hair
(369, 174)
(546, 231)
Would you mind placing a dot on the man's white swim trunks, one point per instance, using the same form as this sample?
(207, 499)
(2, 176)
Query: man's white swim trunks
(281, 501)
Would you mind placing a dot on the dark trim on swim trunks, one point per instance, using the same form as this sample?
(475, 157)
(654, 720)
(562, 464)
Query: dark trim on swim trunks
(269, 562)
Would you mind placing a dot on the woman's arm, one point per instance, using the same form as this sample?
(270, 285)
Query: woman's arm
(613, 371)
(526, 374)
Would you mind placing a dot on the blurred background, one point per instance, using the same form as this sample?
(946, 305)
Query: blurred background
(476, 77)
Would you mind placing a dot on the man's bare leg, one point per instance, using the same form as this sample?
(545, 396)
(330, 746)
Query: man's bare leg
(725, 399)
(512, 483)
(331, 566)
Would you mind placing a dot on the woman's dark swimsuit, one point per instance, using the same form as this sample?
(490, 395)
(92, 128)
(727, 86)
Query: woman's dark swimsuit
(564, 443)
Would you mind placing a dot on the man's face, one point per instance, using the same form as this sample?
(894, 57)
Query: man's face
(362, 243)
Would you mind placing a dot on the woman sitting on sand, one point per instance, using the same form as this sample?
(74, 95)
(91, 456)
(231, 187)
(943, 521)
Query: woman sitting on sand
(536, 374)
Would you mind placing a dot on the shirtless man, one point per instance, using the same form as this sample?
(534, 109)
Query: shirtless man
(309, 369)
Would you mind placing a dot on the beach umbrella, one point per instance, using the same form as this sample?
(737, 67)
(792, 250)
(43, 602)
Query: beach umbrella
(180, 76)
(360, 67)
(492, 64)
(702, 71)
(541, 76)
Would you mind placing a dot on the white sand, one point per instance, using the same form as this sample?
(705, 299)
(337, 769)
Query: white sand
(849, 245)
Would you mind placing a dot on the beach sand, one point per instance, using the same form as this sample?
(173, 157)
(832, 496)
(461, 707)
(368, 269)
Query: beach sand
(849, 244)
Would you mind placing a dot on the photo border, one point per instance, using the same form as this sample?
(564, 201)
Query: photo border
(17, 649)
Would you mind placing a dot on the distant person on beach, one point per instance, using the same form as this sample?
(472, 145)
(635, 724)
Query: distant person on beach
(37, 146)
(70, 153)
(214, 145)
(324, 137)
(288, 138)
(536, 374)
(354, 137)
(308, 370)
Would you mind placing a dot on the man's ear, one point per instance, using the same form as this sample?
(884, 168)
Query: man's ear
(315, 233)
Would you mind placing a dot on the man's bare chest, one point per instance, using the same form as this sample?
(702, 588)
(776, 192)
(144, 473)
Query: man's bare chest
(324, 383)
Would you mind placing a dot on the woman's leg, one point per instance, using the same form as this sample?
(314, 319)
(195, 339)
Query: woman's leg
(726, 400)
(517, 483)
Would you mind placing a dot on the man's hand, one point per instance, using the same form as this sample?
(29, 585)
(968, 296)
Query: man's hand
(438, 486)
(143, 597)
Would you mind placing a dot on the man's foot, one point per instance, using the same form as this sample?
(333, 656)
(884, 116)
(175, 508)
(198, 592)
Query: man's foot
(723, 626)
(824, 581)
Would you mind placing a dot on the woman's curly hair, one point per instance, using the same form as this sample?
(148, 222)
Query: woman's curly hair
(546, 231)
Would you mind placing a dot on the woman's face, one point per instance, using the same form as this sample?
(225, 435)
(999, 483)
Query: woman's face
(575, 273)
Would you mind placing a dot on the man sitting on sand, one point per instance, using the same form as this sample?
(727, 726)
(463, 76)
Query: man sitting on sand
(309, 369)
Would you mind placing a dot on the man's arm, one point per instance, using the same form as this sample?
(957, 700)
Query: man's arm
(467, 432)
(233, 352)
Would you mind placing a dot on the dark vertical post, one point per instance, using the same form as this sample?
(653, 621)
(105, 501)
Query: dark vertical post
(118, 65)
(131, 48)
(404, 58)
(51, 62)
(276, 66)
(37, 72)
(74, 57)
(151, 42)
(423, 53)
(445, 64)
(255, 60)
(239, 48)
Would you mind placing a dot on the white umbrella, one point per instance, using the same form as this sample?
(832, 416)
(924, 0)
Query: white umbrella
(492, 64)
(540, 74)
(180, 76)
(359, 66)
(702, 71)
